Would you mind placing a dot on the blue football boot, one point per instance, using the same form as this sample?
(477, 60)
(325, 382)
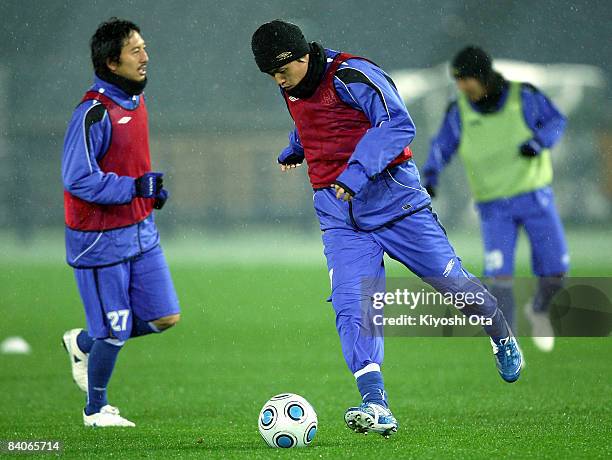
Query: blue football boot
(371, 417)
(508, 358)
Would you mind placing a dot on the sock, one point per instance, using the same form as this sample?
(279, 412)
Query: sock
(485, 308)
(372, 388)
(102, 358)
(503, 291)
(547, 289)
(499, 329)
(84, 342)
(140, 327)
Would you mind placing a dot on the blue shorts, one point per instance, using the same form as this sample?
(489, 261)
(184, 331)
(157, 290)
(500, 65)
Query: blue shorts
(112, 295)
(535, 211)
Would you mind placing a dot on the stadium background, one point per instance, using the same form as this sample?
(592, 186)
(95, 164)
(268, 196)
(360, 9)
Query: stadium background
(242, 238)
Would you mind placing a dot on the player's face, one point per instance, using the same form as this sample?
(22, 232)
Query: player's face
(133, 59)
(289, 75)
(472, 88)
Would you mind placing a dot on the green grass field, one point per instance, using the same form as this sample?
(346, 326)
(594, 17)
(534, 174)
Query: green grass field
(253, 329)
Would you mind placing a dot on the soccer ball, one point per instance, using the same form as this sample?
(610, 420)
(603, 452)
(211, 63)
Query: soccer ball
(287, 420)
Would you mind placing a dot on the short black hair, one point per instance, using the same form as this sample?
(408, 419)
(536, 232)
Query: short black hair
(108, 40)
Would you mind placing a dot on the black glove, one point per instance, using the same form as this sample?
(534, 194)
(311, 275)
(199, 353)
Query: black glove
(292, 159)
(161, 198)
(431, 190)
(530, 149)
(149, 185)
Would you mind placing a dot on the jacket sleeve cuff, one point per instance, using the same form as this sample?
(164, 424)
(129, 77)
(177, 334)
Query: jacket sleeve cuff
(535, 145)
(133, 189)
(288, 156)
(354, 178)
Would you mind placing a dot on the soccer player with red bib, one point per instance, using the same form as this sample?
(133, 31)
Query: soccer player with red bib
(354, 132)
(111, 238)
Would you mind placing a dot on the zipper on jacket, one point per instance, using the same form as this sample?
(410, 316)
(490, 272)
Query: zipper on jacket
(138, 237)
(354, 222)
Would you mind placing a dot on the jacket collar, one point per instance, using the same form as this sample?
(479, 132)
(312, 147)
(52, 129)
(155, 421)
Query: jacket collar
(115, 93)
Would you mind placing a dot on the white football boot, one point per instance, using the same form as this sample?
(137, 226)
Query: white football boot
(78, 359)
(541, 330)
(108, 416)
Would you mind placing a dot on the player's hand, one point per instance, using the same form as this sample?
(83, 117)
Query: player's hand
(431, 190)
(287, 167)
(149, 185)
(291, 161)
(161, 198)
(342, 194)
(530, 148)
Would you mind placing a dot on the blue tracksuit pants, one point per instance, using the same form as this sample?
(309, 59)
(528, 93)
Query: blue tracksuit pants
(356, 269)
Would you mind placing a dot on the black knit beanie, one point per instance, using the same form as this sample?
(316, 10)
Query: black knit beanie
(472, 62)
(277, 43)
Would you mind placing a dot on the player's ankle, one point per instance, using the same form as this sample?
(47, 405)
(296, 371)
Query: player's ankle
(380, 402)
(94, 408)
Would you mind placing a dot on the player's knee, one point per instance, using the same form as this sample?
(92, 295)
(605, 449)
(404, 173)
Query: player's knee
(114, 341)
(167, 322)
(494, 262)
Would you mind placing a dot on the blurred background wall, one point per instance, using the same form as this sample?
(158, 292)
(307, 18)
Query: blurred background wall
(217, 124)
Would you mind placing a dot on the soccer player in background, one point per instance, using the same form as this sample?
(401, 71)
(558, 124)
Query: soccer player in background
(354, 131)
(503, 130)
(111, 238)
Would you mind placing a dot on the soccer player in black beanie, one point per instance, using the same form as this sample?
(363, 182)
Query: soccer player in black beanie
(503, 131)
(354, 131)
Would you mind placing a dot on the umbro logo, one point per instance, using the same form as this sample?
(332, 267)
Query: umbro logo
(449, 267)
(124, 120)
(285, 55)
(293, 99)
